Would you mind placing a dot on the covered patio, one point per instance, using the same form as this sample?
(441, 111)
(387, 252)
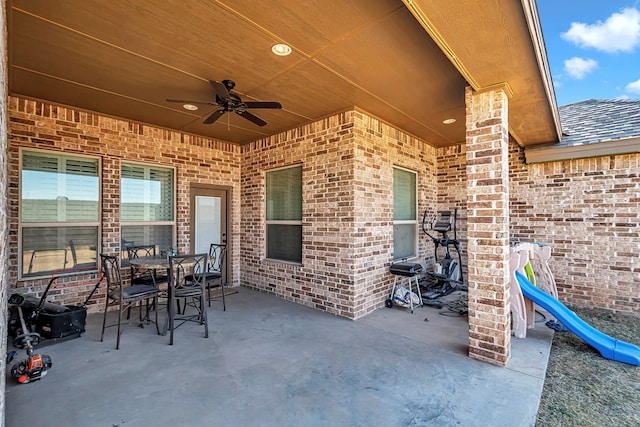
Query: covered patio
(270, 362)
(456, 95)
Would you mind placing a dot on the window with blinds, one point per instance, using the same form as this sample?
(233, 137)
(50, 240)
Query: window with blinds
(147, 206)
(284, 214)
(405, 224)
(59, 212)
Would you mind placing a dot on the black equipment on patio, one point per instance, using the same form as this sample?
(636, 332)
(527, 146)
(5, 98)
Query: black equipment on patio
(447, 275)
(35, 366)
(401, 296)
(50, 320)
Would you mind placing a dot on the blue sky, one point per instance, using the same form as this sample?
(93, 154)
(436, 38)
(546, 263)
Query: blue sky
(593, 48)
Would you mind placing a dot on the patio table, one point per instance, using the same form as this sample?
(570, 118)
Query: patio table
(156, 263)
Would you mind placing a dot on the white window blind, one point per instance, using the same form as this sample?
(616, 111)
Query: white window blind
(56, 188)
(147, 193)
(147, 206)
(59, 212)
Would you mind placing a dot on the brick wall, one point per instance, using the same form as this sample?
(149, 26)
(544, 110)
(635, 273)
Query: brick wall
(347, 178)
(452, 193)
(348, 160)
(588, 210)
(195, 159)
(379, 148)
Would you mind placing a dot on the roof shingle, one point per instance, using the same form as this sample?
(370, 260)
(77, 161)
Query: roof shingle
(599, 120)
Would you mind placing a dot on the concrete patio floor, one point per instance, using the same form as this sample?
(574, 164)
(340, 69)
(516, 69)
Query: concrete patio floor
(270, 362)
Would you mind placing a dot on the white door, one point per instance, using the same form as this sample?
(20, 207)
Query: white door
(208, 218)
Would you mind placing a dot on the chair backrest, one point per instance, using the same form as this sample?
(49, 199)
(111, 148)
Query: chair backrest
(186, 271)
(113, 274)
(141, 251)
(217, 255)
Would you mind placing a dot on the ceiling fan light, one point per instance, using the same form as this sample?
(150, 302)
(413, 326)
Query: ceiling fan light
(190, 107)
(448, 121)
(281, 49)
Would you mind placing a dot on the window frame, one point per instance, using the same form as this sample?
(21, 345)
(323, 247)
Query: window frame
(173, 223)
(268, 222)
(22, 225)
(413, 221)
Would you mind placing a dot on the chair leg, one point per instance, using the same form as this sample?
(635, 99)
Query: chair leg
(224, 303)
(155, 304)
(203, 311)
(119, 325)
(171, 314)
(104, 319)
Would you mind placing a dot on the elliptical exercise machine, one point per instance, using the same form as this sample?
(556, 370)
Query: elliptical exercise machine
(447, 276)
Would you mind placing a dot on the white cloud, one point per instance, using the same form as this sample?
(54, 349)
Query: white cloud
(633, 87)
(619, 33)
(579, 67)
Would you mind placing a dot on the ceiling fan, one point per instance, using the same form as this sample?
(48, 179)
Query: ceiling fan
(231, 102)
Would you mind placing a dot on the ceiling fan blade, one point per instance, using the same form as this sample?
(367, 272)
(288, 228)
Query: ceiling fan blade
(263, 104)
(184, 101)
(221, 90)
(213, 117)
(251, 117)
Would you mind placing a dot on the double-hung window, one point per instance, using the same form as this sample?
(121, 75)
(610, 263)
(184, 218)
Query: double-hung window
(405, 224)
(147, 200)
(59, 212)
(284, 214)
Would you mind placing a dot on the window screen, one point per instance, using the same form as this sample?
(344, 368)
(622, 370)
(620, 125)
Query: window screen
(404, 214)
(284, 214)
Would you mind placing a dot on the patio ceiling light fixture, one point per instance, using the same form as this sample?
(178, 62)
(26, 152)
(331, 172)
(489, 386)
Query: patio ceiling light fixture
(190, 107)
(449, 121)
(281, 49)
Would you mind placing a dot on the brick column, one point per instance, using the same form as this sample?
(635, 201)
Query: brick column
(488, 225)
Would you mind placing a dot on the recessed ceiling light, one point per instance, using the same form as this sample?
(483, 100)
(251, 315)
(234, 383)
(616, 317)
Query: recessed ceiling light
(281, 49)
(449, 121)
(190, 107)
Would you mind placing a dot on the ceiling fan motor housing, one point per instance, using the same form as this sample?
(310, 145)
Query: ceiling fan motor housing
(231, 101)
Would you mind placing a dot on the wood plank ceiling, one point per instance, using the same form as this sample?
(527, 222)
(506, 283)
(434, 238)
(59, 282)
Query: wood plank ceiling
(125, 58)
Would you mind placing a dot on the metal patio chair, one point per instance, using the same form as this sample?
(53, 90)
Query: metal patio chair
(214, 274)
(124, 297)
(191, 292)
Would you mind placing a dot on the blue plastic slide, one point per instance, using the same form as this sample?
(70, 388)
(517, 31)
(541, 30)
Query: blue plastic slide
(608, 347)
